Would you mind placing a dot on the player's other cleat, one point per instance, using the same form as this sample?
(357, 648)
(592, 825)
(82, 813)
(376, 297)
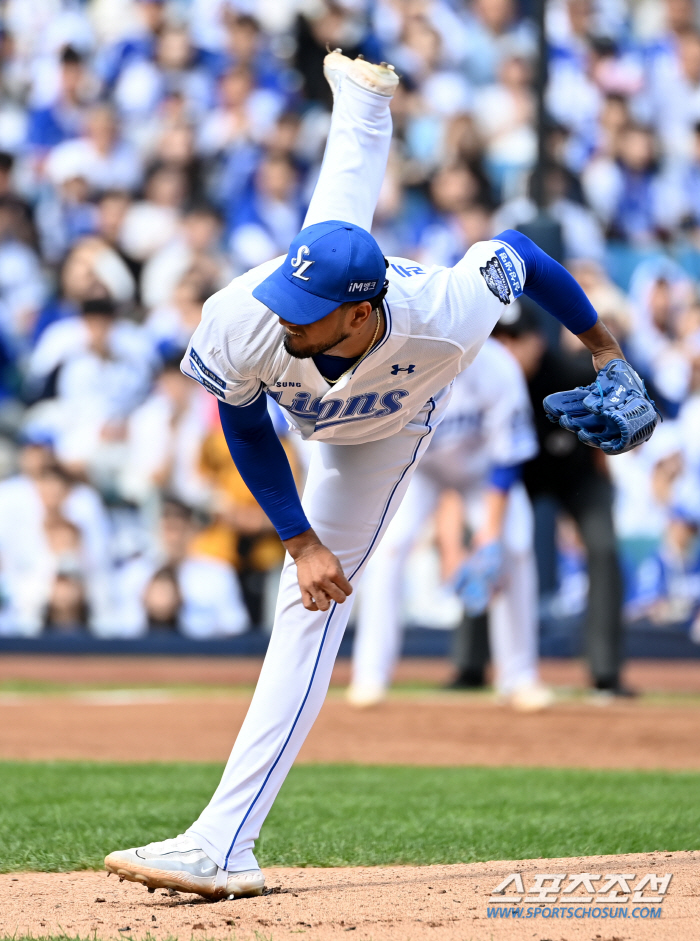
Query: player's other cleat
(180, 864)
(532, 697)
(380, 79)
(362, 697)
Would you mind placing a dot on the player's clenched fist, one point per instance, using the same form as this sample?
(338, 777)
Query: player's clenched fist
(320, 574)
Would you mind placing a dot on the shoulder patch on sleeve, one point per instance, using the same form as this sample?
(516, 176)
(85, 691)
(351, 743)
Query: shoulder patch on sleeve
(496, 280)
(204, 370)
(195, 374)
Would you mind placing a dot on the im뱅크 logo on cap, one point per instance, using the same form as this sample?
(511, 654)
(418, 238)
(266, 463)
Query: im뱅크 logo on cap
(360, 287)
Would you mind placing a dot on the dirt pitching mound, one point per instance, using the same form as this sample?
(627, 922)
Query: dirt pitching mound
(445, 903)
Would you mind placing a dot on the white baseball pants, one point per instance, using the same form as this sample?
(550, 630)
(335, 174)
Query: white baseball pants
(512, 612)
(351, 494)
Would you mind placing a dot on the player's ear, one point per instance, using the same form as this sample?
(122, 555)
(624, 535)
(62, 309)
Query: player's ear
(360, 314)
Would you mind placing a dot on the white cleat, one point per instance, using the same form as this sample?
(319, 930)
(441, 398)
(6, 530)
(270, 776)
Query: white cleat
(335, 66)
(533, 697)
(181, 865)
(362, 697)
(380, 79)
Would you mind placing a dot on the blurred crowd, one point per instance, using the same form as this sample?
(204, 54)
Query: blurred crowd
(150, 151)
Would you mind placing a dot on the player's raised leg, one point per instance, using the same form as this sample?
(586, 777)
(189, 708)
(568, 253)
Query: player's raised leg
(356, 153)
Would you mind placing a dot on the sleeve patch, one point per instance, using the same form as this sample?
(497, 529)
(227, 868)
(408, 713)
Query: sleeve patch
(205, 371)
(196, 374)
(496, 280)
(510, 271)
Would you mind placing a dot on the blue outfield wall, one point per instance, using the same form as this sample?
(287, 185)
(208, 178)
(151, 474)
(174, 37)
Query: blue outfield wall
(560, 638)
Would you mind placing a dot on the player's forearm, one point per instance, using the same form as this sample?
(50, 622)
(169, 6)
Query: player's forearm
(259, 456)
(263, 465)
(602, 344)
(296, 546)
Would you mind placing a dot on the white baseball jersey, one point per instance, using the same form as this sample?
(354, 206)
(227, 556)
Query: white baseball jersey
(436, 320)
(487, 423)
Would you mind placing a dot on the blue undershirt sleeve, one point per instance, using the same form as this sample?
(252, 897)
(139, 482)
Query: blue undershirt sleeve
(550, 285)
(259, 456)
(504, 476)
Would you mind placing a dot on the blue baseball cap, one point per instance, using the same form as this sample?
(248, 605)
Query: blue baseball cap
(327, 264)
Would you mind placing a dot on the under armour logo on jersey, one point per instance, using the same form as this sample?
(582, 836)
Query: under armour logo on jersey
(396, 369)
(300, 264)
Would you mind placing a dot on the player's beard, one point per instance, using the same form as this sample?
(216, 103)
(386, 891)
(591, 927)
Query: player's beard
(299, 349)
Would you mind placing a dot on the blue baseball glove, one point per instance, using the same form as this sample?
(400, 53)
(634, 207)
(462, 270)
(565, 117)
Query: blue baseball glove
(478, 576)
(614, 413)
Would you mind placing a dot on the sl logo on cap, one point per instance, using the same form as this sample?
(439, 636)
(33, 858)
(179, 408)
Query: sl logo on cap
(302, 266)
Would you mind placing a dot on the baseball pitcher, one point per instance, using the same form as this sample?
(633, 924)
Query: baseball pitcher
(361, 353)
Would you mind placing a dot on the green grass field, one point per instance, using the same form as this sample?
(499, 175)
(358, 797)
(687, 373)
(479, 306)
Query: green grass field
(59, 816)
